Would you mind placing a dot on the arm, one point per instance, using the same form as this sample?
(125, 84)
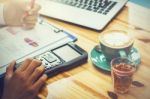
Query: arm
(25, 82)
(12, 13)
(2, 22)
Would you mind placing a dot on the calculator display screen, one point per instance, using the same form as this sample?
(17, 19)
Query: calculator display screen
(66, 53)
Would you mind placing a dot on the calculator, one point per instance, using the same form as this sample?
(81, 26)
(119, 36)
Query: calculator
(62, 58)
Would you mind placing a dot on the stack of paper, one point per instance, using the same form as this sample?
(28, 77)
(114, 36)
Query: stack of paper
(139, 13)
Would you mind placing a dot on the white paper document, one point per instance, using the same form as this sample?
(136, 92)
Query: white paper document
(17, 43)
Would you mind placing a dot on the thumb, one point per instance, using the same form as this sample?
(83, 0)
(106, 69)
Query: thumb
(34, 10)
(10, 70)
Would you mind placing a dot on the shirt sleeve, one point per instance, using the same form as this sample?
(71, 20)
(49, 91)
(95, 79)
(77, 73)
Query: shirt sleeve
(2, 22)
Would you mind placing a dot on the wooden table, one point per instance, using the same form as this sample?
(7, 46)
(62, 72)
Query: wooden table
(87, 82)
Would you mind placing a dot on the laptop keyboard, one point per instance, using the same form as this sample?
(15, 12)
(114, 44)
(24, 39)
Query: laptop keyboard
(98, 6)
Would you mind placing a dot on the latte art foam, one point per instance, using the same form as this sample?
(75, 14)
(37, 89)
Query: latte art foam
(116, 39)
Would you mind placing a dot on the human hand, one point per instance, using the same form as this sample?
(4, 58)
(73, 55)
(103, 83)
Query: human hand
(25, 82)
(20, 13)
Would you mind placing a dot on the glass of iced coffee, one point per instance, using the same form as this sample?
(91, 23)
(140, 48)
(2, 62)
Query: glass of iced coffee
(122, 74)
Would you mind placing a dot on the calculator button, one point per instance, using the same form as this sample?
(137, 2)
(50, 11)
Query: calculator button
(46, 63)
(41, 59)
(52, 65)
(49, 60)
(49, 57)
(46, 68)
(56, 63)
(59, 62)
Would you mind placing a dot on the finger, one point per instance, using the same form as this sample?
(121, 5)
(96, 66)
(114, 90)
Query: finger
(34, 64)
(37, 73)
(34, 10)
(10, 70)
(30, 21)
(26, 18)
(25, 64)
(31, 17)
(40, 82)
(33, 22)
(28, 26)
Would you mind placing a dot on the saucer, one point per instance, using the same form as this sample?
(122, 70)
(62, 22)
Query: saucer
(99, 60)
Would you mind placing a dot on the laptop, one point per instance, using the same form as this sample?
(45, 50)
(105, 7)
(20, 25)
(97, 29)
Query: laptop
(94, 14)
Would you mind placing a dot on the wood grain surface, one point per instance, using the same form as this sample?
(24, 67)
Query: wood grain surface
(87, 82)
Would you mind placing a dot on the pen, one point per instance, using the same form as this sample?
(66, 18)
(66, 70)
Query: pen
(27, 13)
(31, 6)
(32, 3)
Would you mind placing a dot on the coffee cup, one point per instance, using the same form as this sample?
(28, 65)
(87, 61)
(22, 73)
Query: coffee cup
(115, 44)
